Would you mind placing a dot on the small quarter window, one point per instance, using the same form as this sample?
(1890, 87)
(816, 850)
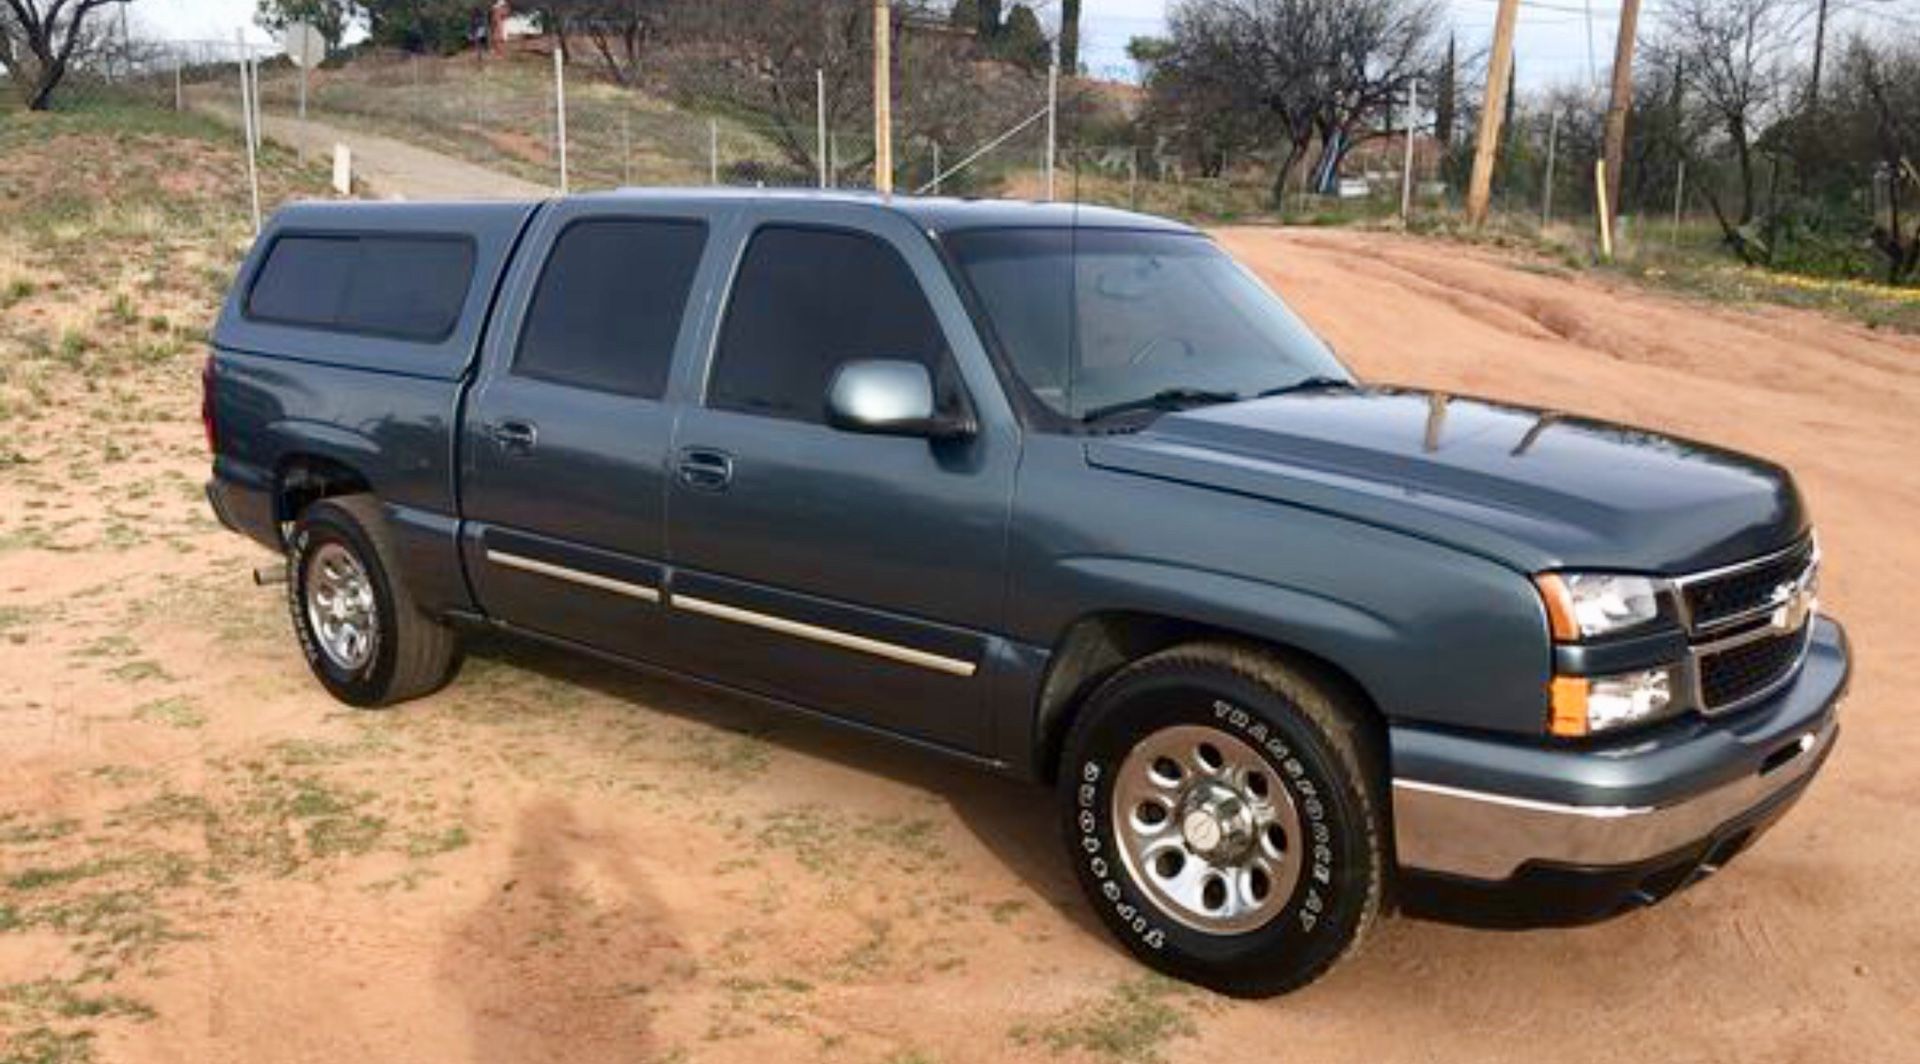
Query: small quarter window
(607, 310)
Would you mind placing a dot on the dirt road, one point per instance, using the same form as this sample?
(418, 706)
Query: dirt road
(387, 168)
(204, 857)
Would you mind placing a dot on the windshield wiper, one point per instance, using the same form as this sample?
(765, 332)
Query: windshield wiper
(1166, 399)
(1316, 383)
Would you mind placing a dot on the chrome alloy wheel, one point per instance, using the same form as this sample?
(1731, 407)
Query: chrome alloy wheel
(1207, 829)
(340, 607)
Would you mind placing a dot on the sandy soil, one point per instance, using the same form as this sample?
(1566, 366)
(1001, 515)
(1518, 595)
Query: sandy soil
(202, 859)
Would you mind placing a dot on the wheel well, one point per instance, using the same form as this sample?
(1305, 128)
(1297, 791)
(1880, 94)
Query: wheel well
(1098, 646)
(306, 479)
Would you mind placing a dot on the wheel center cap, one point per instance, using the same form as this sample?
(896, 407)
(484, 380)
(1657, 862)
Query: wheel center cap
(1203, 831)
(1217, 823)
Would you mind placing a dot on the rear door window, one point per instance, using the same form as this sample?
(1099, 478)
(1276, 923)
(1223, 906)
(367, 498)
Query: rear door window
(807, 300)
(409, 287)
(606, 312)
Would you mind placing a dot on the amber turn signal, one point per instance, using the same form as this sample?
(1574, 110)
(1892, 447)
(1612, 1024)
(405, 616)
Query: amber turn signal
(1567, 697)
(1558, 599)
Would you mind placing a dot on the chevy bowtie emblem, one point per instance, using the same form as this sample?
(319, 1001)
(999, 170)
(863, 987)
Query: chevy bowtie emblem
(1795, 603)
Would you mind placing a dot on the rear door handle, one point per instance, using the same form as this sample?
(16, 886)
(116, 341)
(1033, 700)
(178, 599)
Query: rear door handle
(515, 437)
(705, 469)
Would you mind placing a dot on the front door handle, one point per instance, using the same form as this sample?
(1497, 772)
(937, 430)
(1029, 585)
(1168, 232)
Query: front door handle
(514, 437)
(705, 469)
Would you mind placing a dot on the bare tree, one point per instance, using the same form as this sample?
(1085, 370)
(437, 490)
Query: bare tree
(1879, 92)
(41, 40)
(1732, 58)
(1324, 71)
(621, 31)
(757, 59)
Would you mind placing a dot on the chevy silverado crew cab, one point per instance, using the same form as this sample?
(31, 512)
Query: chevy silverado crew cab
(1062, 492)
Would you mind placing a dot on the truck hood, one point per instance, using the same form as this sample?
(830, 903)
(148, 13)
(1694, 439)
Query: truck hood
(1531, 488)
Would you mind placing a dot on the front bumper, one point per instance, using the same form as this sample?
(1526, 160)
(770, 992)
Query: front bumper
(1492, 833)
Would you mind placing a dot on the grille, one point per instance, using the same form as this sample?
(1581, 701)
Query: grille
(1715, 600)
(1730, 676)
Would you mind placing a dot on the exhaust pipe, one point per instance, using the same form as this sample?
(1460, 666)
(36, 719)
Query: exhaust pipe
(269, 575)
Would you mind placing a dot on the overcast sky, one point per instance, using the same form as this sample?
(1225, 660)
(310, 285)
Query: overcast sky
(1552, 43)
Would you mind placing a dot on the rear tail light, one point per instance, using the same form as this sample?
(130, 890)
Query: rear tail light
(206, 402)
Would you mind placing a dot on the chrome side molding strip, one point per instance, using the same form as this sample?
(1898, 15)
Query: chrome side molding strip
(574, 576)
(829, 636)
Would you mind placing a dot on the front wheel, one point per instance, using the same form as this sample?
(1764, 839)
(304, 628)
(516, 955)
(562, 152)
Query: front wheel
(1224, 816)
(364, 638)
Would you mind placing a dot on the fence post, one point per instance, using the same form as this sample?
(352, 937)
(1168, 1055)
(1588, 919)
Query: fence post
(820, 121)
(560, 113)
(1133, 178)
(1406, 173)
(626, 142)
(179, 94)
(246, 120)
(1053, 111)
(1553, 144)
(713, 151)
(936, 168)
(1606, 215)
(1679, 198)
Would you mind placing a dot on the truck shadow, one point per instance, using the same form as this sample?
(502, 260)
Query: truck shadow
(569, 919)
(1013, 820)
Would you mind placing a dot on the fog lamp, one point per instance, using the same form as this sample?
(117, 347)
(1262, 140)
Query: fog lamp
(1588, 705)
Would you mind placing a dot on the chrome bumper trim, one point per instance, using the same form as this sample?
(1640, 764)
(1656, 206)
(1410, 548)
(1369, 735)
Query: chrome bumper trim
(1487, 836)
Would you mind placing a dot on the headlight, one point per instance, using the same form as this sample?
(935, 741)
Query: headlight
(1586, 705)
(1589, 605)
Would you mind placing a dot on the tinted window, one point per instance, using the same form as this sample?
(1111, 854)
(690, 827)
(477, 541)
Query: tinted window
(607, 309)
(805, 301)
(409, 287)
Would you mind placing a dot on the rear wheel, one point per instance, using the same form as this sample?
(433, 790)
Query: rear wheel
(1223, 810)
(364, 638)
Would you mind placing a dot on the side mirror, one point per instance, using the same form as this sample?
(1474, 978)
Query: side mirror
(887, 397)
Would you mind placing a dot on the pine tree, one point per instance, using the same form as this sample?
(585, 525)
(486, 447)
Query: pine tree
(1443, 106)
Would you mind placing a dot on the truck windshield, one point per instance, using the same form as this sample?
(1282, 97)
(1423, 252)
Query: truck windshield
(1106, 324)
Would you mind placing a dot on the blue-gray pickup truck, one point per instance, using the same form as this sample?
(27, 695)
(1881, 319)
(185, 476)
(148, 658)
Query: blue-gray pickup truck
(1063, 492)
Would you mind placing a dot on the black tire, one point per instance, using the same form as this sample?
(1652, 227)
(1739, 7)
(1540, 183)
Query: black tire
(411, 653)
(1312, 740)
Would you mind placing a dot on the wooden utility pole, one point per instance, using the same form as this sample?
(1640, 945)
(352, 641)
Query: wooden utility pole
(1819, 53)
(1499, 69)
(882, 98)
(1621, 102)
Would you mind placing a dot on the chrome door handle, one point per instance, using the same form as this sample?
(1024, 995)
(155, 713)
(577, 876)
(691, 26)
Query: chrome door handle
(516, 437)
(705, 469)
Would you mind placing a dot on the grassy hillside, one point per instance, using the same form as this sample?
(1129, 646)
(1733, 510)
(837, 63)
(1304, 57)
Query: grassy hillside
(501, 114)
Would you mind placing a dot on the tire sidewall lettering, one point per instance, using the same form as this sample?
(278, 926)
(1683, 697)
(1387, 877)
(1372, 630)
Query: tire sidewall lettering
(1311, 905)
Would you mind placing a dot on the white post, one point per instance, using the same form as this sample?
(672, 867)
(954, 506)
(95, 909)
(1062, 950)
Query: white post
(560, 112)
(179, 94)
(713, 151)
(1053, 114)
(246, 121)
(936, 168)
(259, 109)
(626, 143)
(820, 121)
(1679, 198)
(1406, 174)
(1553, 143)
(1133, 178)
(1606, 216)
